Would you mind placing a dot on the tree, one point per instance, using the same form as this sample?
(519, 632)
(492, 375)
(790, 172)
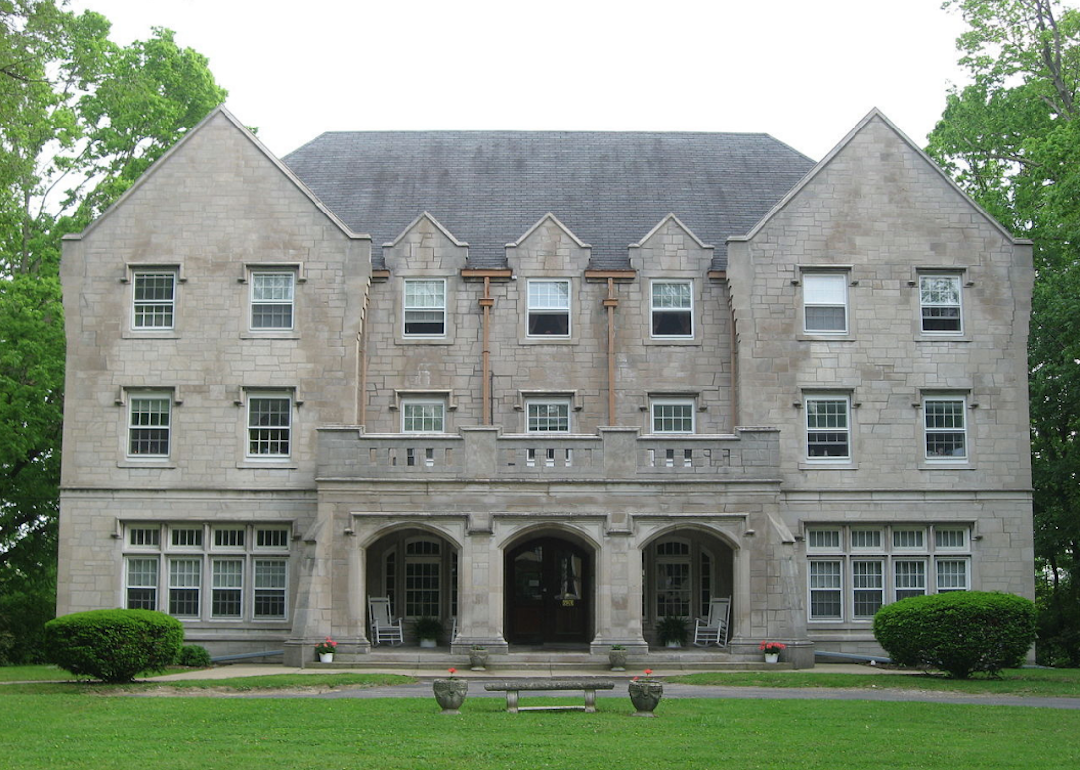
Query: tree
(81, 118)
(1011, 139)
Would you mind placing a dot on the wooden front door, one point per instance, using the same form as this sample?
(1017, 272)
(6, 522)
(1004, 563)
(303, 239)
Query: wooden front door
(547, 592)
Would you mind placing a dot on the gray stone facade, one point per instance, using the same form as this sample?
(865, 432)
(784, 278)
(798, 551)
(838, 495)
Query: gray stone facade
(268, 420)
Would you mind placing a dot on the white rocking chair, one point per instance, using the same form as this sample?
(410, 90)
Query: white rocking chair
(714, 629)
(384, 627)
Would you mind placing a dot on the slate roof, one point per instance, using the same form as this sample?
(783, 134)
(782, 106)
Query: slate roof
(609, 188)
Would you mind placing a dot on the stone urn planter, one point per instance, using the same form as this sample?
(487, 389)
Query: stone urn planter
(478, 658)
(450, 693)
(645, 694)
(617, 658)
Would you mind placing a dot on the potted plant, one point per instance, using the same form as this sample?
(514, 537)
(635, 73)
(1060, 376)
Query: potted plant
(671, 631)
(428, 630)
(645, 694)
(772, 650)
(617, 657)
(325, 650)
(478, 656)
(450, 693)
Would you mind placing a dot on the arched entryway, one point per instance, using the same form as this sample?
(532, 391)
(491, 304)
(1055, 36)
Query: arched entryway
(549, 591)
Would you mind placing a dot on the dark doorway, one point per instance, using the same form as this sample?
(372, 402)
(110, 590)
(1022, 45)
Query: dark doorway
(548, 588)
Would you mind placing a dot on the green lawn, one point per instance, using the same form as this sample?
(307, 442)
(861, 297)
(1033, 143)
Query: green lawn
(99, 733)
(1049, 682)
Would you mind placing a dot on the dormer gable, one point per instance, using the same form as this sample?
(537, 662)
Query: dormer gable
(548, 245)
(426, 245)
(670, 247)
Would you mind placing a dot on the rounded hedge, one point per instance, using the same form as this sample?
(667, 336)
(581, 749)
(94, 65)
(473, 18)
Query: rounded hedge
(194, 656)
(114, 645)
(959, 632)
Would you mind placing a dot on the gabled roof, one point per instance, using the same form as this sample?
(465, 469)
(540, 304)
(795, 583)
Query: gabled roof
(609, 189)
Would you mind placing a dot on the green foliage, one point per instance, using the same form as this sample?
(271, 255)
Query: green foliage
(194, 656)
(960, 632)
(428, 628)
(114, 645)
(672, 628)
(1011, 139)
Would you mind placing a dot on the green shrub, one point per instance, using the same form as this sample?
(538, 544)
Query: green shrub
(194, 656)
(959, 632)
(114, 645)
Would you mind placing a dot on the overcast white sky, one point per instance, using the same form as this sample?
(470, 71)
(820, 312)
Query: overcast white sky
(804, 71)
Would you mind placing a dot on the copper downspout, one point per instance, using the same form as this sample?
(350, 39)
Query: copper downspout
(611, 303)
(486, 303)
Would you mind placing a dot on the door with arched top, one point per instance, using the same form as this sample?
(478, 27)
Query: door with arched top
(548, 588)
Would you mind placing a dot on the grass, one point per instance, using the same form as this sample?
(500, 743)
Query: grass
(1046, 682)
(73, 731)
(328, 681)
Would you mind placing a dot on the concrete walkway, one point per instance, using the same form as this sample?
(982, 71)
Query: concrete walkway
(422, 689)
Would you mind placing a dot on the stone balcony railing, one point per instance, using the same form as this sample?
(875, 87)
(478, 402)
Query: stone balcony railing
(484, 453)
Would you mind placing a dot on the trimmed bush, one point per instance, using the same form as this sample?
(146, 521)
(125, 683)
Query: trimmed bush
(960, 632)
(194, 656)
(114, 645)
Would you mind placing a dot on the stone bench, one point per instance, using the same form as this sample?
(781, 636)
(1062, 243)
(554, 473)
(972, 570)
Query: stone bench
(512, 687)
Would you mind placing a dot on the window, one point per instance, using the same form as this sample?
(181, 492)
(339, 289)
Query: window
(939, 301)
(142, 580)
(548, 308)
(672, 309)
(825, 303)
(827, 428)
(154, 298)
(272, 300)
(425, 308)
(881, 564)
(673, 583)
(423, 416)
(673, 416)
(548, 416)
(946, 435)
(423, 566)
(249, 582)
(149, 418)
(269, 426)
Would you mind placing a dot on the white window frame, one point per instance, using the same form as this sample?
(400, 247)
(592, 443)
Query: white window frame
(278, 590)
(272, 301)
(945, 430)
(130, 585)
(910, 589)
(688, 403)
(535, 423)
(820, 398)
(436, 311)
(140, 397)
(262, 434)
(901, 547)
(863, 582)
(830, 589)
(931, 302)
(161, 310)
(196, 586)
(543, 306)
(418, 566)
(217, 588)
(437, 417)
(819, 291)
(940, 562)
(663, 308)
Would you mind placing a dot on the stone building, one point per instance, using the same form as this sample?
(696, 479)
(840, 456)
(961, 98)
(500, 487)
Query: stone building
(547, 387)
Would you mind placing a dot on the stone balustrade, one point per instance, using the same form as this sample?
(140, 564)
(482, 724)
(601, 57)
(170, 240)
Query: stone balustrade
(346, 452)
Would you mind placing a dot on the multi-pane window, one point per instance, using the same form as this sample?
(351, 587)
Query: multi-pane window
(425, 308)
(142, 581)
(423, 568)
(673, 584)
(149, 424)
(249, 581)
(672, 309)
(825, 303)
(854, 570)
(272, 300)
(154, 300)
(672, 416)
(939, 301)
(548, 308)
(547, 416)
(271, 582)
(227, 588)
(946, 434)
(423, 416)
(185, 585)
(269, 425)
(828, 430)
